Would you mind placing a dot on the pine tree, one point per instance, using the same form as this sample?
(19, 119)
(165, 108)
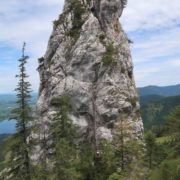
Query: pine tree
(121, 141)
(64, 147)
(150, 146)
(127, 149)
(19, 160)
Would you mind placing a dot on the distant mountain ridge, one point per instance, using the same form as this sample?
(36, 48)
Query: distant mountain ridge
(173, 90)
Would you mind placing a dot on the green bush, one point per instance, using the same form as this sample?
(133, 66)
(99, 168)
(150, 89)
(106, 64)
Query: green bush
(133, 101)
(108, 57)
(63, 101)
(60, 20)
(77, 10)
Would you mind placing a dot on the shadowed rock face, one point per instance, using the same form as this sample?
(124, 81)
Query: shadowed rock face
(88, 59)
(108, 11)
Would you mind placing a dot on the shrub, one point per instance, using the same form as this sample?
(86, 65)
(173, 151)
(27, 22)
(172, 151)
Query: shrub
(60, 20)
(133, 101)
(63, 101)
(108, 57)
(77, 10)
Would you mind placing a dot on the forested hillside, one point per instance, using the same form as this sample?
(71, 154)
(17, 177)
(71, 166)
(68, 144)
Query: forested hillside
(163, 147)
(149, 98)
(155, 109)
(161, 119)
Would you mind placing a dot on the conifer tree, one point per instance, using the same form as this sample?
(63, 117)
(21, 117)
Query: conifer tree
(19, 160)
(150, 146)
(127, 149)
(120, 140)
(64, 147)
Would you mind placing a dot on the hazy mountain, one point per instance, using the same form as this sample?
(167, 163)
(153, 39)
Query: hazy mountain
(173, 90)
(8, 101)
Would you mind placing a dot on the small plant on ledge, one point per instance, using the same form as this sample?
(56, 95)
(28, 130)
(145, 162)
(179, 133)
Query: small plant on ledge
(108, 57)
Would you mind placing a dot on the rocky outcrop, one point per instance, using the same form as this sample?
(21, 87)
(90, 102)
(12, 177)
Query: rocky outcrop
(88, 59)
(108, 12)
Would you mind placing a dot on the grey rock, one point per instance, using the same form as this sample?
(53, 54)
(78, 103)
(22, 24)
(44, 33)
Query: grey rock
(73, 65)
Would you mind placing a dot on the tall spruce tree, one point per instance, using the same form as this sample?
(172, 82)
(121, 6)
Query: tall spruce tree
(64, 147)
(121, 141)
(19, 160)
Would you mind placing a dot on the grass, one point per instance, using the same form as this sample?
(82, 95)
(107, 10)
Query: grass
(164, 139)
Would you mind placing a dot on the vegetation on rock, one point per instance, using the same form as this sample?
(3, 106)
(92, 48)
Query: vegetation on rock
(108, 58)
(154, 111)
(77, 10)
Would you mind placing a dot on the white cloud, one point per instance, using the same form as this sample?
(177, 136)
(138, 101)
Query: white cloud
(162, 44)
(29, 21)
(175, 63)
(158, 73)
(153, 25)
(151, 14)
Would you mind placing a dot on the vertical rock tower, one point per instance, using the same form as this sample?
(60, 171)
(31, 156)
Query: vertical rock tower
(88, 59)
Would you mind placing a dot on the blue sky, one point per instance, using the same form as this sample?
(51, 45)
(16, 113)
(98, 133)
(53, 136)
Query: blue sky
(153, 26)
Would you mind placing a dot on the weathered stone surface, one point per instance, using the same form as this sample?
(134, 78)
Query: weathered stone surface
(108, 11)
(92, 66)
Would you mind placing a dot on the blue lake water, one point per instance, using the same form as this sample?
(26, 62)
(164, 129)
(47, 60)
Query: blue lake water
(7, 127)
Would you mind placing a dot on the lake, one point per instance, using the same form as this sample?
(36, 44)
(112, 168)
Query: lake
(7, 127)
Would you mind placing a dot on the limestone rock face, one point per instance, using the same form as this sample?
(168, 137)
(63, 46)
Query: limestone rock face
(88, 59)
(108, 11)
